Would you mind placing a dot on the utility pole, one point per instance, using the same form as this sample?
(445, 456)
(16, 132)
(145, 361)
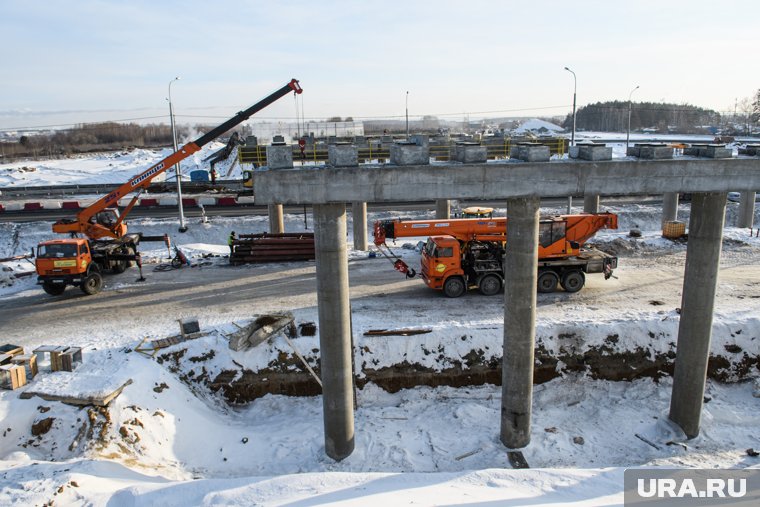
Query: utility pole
(572, 138)
(177, 171)
(628, 132)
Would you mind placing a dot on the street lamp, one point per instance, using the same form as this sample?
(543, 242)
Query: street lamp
(182, 226)
(572, 138)
(407, 115)
(628, 132)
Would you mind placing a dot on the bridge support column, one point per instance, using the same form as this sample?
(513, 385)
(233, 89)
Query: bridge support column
(276, 220)
(746, 210)
(519, 320)
(359, 219)
(695, 327)
(669, 207)
(442, 209)
(591, 203)
(333, 307)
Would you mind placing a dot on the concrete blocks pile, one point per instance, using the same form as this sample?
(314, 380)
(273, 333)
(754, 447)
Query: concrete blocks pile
(652, 151)
(342, 155)
(594, 152)
(279, 156)
(530, 152)
(708, 151)
(470, 153)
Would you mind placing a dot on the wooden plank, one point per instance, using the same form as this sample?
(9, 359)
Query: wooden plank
(101, 401)
(397, 332)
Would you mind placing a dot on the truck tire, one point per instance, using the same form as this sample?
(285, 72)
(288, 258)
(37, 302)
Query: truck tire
(490, 285)
(92, 283)
(573, 281)
(547, 281)
(54, 289)
(454, 286)
(118, 267)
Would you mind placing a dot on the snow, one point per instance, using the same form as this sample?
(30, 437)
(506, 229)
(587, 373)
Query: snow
(536, 125)
(169, 440)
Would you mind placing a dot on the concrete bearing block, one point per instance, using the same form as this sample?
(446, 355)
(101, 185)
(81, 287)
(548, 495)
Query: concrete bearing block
(655, 152)
(342, 155)
(279, 157)
(470, 153)
(409, 154)
(595, 152)
(716, 151)
(532, 153)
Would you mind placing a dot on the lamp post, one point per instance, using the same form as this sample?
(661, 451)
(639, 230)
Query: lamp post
(572, 138)
(628, 132)
(177, 172)
(407, 115)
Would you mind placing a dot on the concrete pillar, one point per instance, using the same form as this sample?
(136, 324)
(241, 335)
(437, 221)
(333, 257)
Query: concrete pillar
(336, 353)
(591, 203)
(521, 262)
(442, 209)
(669, 207)
(276, 219)
(746, 216)
(359, 218)
(695, 326)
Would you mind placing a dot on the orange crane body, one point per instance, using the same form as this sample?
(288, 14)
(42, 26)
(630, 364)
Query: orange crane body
(461, 253)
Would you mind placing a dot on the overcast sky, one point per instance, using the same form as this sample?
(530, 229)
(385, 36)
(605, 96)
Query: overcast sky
(79, 61)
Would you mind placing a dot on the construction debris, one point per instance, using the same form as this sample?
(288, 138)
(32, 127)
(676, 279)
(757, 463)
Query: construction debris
(12, 376)
(82, 392)
(62, 357)
(189, 329)
(260, 330)
(253, 248)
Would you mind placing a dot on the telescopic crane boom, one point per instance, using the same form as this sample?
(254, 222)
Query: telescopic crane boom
(100, 219)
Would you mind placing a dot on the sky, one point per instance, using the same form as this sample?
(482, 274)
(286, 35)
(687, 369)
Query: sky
(75, 62)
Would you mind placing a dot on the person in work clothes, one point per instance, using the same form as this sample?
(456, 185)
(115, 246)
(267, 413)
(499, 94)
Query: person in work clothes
(230, 240)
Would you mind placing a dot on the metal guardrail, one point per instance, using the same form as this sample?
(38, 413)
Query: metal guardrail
(373, 153)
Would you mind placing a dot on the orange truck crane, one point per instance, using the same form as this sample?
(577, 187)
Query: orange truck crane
(465, 253)
(81, 261)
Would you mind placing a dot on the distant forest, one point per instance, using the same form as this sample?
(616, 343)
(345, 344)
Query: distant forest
(612, 116)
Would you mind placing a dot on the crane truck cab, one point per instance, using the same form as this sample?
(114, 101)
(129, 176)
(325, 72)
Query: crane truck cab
(63, 262)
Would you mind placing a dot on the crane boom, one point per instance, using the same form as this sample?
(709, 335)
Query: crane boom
(84, 222)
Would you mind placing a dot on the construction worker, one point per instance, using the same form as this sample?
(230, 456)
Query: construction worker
(230, 240)
(212, 173)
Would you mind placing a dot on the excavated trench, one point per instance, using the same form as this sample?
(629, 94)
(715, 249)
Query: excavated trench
(287, 376)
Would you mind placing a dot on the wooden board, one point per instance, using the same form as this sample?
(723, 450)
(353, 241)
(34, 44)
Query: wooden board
(99, 401)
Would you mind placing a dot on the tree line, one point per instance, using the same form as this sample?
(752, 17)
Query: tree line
(612, 116)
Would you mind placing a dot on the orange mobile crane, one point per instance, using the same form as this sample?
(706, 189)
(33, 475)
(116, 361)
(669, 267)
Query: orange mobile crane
(107, 246)
(464, 253)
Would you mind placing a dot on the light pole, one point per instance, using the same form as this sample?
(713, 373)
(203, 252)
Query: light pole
(182, 226)
(572, 138)
(628, 132)
(407, 115)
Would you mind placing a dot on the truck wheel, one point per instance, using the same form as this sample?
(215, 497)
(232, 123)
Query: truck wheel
(490, 285)
(54, 289)
(547, 281)
(92, 283)
(573, 281)
(118, 267)
(454, 287)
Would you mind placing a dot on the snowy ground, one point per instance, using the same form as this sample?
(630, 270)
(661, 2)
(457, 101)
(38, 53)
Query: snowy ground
(171, 442)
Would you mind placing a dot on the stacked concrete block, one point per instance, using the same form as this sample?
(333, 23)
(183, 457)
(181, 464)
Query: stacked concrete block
(278, 140)
(530, 152)
(752, 150)
(708, 151)
(653, 151)
(279, 156)
(470, 153)
(594, 152)
(409, 153)
(342, 155)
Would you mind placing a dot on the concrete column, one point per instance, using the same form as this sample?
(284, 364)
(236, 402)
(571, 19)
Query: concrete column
(442, 209)
(336, 353)
(746, 216)
(591, 203)
(669, 207)
(276, 220)
(359, 219)
(521, 262)
(695, 326)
